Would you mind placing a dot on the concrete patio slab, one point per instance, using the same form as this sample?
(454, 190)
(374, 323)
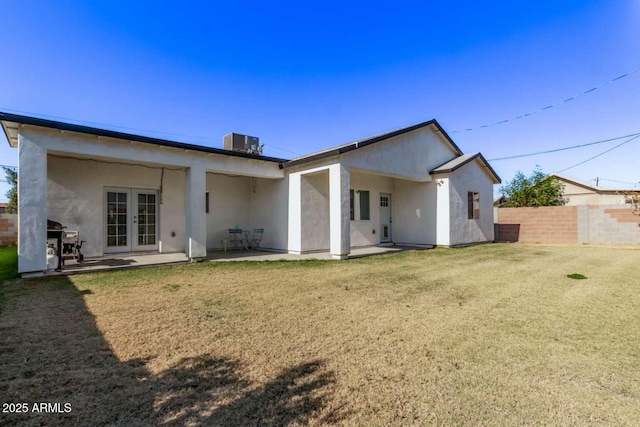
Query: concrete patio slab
(118, 261)
(131, 260)
(263, 255)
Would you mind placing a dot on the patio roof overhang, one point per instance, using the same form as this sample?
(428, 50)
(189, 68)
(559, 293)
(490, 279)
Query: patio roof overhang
(11, 124)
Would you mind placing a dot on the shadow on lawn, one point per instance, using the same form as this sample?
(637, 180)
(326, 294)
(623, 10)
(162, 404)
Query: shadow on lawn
(52, 351)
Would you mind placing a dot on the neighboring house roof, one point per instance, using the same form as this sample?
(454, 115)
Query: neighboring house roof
(340, 149)
(599, 190)
(460, 161)
(499, 199)
(11, 122)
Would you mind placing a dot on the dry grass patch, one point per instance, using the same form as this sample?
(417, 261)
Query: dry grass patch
(486, 335)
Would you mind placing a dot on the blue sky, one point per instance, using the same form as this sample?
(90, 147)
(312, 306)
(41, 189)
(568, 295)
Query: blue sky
(304, 76)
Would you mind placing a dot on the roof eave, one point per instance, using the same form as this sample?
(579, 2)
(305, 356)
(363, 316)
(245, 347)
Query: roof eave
(372, 140)
(51, 124)
(492, 172)
(11, 139)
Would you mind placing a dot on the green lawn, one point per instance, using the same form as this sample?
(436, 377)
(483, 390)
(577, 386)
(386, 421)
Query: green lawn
(8, 263)
(486, 335)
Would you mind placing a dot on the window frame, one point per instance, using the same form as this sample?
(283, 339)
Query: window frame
(360, 205)
(473, 205)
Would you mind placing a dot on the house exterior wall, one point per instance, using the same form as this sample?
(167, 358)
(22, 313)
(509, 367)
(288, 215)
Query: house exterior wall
(399, 166)
(186, 219)
(75, 198)
(303, 208)
(269, 209)
(32, 206)
(408, 156)
(249, 203)
(316, 227)
(414, 220)
(443, 209)
(91, 146)
(463, 230)
(578, 195)
(367, 232)
(229, 205)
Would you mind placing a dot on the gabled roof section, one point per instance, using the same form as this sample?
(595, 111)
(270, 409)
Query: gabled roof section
(12, 122)
(593, 188)
(340, 149)
(460, 161)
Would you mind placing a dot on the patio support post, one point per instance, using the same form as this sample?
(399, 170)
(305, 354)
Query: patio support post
(32, 207)
(295, 214)
(443, 209)
(339, 211)
(195, 214)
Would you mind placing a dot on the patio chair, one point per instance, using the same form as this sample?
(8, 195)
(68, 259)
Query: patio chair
(254, 243)
(237, 238)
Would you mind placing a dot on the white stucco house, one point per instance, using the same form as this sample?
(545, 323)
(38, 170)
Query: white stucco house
(128, 193)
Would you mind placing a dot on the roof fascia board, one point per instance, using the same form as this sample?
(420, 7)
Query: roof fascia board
(435, 170)
(372, 140)
(6, 134)
(52, 124)
(477, 156)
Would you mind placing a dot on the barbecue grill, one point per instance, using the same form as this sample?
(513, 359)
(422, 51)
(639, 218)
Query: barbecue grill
(68, 243)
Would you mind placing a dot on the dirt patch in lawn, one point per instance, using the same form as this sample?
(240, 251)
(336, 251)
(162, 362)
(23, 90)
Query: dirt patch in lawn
(494, 334)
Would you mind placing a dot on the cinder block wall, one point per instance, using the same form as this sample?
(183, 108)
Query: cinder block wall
(549, 224)
(609, 224)
(8, 229)
(569, 224)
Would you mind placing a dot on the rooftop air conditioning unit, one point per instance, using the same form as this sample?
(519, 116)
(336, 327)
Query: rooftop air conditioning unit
(243, 143)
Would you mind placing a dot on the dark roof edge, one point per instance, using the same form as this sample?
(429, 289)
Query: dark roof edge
(589, 186)
(372, 140)
(52, 124)
(469, 160)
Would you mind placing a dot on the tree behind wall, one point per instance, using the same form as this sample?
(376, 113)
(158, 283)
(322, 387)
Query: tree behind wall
(538, 189)
(12, 194)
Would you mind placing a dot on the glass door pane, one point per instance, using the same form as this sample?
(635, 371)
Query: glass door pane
(117, 207)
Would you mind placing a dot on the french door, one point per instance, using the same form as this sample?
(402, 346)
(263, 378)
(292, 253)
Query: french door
(131, 220)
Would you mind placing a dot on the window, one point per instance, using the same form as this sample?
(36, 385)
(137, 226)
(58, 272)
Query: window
(206, 202)
(473, 205)
(359, 205)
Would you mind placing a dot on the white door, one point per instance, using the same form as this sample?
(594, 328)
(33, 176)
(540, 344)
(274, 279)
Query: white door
(131, 220)
(145, 220)
(385, 218)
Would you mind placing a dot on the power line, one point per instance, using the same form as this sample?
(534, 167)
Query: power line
(598, 155)
(573, 98)
(126, 128)
(284, 150)
(9, 167)
(517, 156)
